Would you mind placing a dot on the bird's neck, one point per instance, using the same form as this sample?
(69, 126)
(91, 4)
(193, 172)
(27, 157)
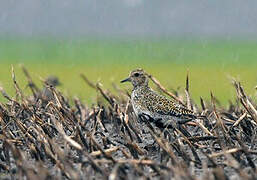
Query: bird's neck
(141, 87)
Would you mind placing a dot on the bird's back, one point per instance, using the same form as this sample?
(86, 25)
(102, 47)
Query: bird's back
(147, 101)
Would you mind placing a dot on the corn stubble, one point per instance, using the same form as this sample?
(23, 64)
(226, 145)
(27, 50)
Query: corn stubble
(59, 138)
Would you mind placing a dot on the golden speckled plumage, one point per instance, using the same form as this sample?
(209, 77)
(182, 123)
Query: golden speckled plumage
(145, 101)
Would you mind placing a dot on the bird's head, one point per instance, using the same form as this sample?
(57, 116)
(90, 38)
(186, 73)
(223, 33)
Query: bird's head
(137, 77)
(53, 81)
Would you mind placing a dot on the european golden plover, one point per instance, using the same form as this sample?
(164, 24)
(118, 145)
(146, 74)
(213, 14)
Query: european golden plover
(151, 105)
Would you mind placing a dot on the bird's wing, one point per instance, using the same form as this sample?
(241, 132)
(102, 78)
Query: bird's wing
(174, 109)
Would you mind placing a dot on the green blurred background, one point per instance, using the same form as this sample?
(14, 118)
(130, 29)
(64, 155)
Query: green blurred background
(210, 63)
(212, 40)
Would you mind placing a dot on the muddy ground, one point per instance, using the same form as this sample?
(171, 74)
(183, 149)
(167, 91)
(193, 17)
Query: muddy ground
(54, 137)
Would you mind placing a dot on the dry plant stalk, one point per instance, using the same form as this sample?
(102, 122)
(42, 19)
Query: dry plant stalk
(245, 101)
(57, 139)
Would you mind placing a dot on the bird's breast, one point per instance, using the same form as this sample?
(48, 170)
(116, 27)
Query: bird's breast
(138, 103)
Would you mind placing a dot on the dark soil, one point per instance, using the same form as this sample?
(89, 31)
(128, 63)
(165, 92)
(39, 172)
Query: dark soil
(51, 137)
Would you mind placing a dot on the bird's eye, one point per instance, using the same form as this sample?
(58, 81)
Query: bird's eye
(136, 74)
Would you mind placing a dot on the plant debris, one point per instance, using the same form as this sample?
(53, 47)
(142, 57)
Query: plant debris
(58, 138)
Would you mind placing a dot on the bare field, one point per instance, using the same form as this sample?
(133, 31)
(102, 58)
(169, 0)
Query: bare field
(52, 138)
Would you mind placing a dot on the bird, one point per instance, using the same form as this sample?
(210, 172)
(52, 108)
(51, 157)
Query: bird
(149, 105)
(46, 94)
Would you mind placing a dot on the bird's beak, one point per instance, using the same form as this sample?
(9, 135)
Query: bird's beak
(125, 80)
